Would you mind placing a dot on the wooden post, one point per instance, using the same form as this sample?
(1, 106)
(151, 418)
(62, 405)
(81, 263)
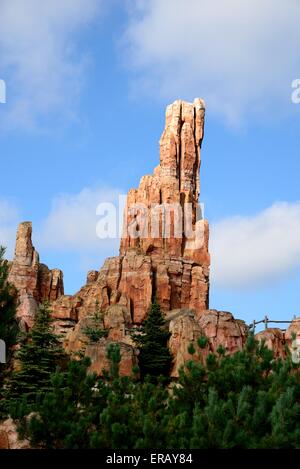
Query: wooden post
(253, 326)
(266, 322)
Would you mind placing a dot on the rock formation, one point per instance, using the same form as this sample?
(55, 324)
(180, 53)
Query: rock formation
(162, 222)
(219, 327)
(9, 438)
(274, 339)
(222, 329)
(164, 248)
(163, 254)
(34, 282)
(282, 342)
(185, 331)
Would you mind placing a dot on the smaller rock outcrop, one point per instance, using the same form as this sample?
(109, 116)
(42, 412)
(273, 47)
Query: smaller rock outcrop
(222, 329)
(292, 334)
(219, 327)
(98, 354)
(34, 282)
(185, 331)
(113, 326)
(274, 339)
(9, 438)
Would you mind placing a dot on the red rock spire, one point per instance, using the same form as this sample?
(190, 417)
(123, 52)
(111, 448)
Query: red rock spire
(161, 215)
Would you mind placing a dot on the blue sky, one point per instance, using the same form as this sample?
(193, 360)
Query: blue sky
(87, 85)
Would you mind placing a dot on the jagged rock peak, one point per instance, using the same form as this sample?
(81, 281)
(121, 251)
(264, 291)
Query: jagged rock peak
(34, 282)
(180, 144)
(162, 215)
(25, 254)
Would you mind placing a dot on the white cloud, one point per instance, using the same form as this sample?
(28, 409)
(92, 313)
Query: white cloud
(71, 223)
(40, 59)
(240, 56)
(251, 251)
(8, 226)
(69, 229)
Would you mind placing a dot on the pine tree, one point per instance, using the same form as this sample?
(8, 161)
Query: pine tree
(244, 400)
(155, 358)
(38, 358)
(95, 330)
(8, 323)
(68, 412)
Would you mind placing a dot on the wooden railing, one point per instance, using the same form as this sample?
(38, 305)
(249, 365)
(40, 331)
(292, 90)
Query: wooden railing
(267, 321)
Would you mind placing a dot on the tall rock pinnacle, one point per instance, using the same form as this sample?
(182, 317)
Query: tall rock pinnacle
(164, 249)
(165, 206)
(34, 281)
(161, 218)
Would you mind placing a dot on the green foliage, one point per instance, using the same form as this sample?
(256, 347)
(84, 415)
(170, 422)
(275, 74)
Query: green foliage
(83, 411)
(8, 324)
(246, 400)
(38, 357)
(96, 332)
(202, 341)
(114, 357)
(66, 415)
(155, 358)
(191, 349)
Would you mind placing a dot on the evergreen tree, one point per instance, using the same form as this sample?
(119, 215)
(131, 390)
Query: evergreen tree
(67, 414)
(38, 357)
(155, 358)
(95, 330)
(246, 400)
(83, 411)
(8, 323)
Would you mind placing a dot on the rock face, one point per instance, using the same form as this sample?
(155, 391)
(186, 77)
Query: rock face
(9, 436)
(222, 329)
(163, 222)
(163, 254)
(115, 322)
(293, 333)
(164, 248)
(185, 330)
(281, 342)
(98, 355)
(292, 339)
(34, 281)
(274, 339)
